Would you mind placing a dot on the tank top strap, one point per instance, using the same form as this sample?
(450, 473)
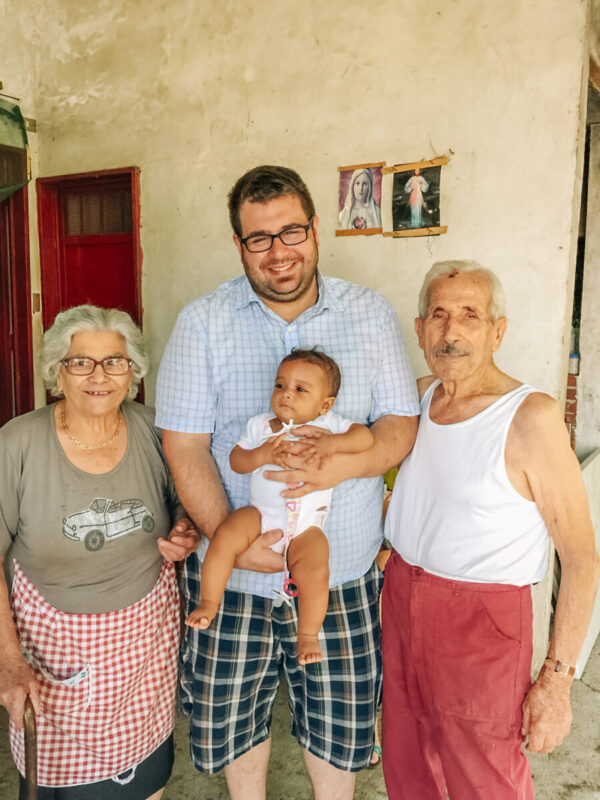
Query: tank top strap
(502, 406)
(427, 395)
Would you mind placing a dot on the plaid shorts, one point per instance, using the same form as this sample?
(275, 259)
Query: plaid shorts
(230, 675)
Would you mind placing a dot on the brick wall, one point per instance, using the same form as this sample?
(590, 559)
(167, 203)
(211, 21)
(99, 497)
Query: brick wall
(571, 407)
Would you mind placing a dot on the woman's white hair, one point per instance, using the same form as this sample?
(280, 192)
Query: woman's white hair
(441, 269)
(57, 341)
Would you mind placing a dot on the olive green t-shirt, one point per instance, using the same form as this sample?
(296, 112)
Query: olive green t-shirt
(87, 542)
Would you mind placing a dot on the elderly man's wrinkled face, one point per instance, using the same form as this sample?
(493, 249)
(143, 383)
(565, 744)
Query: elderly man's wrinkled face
(457, 336)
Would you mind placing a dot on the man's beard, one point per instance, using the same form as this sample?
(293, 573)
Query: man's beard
(269, 291)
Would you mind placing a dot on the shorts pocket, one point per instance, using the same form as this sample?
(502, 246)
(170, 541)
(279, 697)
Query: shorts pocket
(186, 676)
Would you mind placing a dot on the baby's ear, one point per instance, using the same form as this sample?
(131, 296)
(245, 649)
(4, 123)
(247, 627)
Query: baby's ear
(327, 404)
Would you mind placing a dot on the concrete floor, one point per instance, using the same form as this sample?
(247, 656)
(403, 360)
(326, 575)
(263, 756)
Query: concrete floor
(570, 773)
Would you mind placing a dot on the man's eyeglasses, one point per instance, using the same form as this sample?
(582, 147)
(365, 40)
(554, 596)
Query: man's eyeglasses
(261, 242)
(84, 365)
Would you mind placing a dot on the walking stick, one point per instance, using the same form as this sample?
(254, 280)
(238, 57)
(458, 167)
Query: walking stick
(30, 751)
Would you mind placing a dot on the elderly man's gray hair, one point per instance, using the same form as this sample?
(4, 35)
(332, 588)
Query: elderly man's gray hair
(440, 269)
(57, 341)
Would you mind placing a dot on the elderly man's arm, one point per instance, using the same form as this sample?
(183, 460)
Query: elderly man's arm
(201, 492)
(538, 441)
(393, 439)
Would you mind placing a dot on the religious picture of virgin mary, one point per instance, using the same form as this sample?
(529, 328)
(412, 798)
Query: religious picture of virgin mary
(360, 199)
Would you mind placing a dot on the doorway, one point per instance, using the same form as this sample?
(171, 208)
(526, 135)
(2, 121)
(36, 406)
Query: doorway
(16, 358)
(89, 241)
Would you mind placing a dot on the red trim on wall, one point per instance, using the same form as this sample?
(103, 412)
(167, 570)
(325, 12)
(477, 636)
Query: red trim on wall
(18, 395)
(23, 345)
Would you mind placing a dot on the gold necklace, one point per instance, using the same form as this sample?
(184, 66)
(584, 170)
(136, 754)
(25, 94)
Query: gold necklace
(81, 445)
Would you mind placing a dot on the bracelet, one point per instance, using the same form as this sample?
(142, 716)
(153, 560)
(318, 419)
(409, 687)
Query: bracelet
(559, 666)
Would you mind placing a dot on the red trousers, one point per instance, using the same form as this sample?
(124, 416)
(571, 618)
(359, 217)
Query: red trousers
(456, 668)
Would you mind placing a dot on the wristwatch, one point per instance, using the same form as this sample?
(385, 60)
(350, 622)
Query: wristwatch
(559, 666)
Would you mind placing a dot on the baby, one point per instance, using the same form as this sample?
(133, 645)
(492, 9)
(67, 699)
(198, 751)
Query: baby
(305, 389)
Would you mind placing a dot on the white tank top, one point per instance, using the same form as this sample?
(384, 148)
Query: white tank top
(454, 511)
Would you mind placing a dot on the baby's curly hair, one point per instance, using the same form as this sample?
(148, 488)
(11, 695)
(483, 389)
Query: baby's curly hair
(327, 364)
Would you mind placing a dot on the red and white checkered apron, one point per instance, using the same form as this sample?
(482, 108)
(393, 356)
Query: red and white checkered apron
(107, 681)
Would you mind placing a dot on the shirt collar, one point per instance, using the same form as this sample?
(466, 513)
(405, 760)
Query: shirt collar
(245, 294)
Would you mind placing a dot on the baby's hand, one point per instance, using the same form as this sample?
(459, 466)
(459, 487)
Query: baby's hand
(277, 452)
(320, 444)
(287, 454)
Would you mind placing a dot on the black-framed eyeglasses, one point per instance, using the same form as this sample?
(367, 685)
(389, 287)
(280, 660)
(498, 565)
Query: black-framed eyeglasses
(261, 242)
(85, 365)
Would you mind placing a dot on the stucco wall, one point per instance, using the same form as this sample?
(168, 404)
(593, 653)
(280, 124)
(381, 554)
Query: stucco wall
(195, 93)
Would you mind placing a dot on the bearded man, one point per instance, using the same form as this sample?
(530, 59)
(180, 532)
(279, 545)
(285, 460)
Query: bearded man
(217, 372)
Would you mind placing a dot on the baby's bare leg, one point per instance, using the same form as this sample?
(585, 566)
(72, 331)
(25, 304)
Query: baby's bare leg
(308, 562)
(232, 537)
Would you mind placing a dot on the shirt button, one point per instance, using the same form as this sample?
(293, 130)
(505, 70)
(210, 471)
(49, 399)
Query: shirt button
(418, 571)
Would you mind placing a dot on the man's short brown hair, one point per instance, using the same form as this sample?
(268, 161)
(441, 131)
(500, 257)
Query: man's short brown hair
(265, 183)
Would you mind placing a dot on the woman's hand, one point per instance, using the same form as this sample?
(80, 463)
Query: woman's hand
(17, 680)
(183, 539)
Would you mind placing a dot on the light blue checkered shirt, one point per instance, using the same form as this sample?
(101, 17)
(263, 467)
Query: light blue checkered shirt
(218, 371)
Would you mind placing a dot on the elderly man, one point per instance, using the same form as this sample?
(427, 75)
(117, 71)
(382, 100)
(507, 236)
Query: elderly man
(490, 480)
(217, 372)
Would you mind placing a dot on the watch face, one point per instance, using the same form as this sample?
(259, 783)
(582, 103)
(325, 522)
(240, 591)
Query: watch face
(560, 666)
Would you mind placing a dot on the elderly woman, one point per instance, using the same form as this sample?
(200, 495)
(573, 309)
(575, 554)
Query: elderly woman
(360, 210)
(89, 528)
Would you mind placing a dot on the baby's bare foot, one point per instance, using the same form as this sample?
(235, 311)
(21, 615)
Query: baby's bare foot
(202, 616)
(309, 651)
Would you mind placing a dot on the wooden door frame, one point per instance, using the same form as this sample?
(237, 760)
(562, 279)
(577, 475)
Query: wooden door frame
(49, 235)
(18, 234)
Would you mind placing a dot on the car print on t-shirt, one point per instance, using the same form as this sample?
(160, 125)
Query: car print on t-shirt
(107, 519)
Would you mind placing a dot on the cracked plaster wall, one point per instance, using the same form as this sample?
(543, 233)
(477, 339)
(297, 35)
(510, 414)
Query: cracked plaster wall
(195, 93)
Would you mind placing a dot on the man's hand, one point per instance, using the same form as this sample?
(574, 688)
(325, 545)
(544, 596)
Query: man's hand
(259, 557)
(308, 479)
(394, 437)
(17, 680)
(547, 713)
(183, 539)
(319, 445)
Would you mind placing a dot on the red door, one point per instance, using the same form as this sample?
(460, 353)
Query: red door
(89, 241)
(16, 373)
